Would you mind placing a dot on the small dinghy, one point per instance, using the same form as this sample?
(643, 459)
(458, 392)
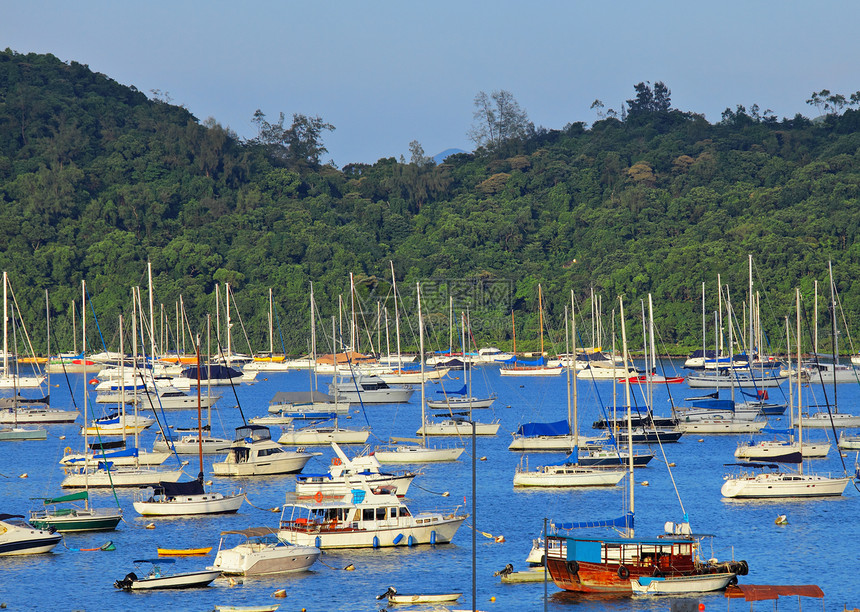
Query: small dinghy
(704, 583)
(156, 580)
(417, 598)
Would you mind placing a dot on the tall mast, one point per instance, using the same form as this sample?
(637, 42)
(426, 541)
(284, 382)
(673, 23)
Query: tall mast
(751, 343)
(799, 381)
(571, 365)
(229, 324)
(5, 327)
(629, 418)
(151, 314)
(540, 318)
(397, 326)
(83, 315)
(271, 326)
(421, 359)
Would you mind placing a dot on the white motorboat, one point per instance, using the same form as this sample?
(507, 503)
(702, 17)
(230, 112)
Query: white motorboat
(262, 553)
(171, 398)
(782, 484)
(676, 585)
(364, 519)
(369, 390)
(416, 452)
(155, 579)
(254, 453)
(346, 474)
(18, 537)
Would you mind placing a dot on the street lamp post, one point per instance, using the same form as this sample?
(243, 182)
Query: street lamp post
(462, 419)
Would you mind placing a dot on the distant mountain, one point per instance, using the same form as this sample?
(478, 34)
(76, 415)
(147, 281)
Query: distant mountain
(440, 157)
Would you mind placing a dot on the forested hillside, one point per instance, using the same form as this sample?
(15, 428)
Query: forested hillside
(96, 179)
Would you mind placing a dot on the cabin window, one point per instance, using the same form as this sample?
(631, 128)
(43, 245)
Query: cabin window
(380, 514)
(404, 511)
(367, 514)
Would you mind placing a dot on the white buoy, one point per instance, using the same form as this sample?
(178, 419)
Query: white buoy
(781, 520)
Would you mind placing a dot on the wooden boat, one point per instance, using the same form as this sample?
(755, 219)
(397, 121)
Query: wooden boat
(675, 585)
(417, 598)
(156, 580)
(184, 552)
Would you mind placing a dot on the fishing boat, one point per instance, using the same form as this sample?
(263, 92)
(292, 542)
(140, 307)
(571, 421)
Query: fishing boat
(394, 597)
(155, 579)
(677, 585)
(262, 554)
(364, 518)
(254, 453)
(17, 537)
(75, 518)
(607, 565)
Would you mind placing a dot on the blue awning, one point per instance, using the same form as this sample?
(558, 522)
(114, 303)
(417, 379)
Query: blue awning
(558, 428)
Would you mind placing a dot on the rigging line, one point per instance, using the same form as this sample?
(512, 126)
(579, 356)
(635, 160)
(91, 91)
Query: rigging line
(232, 384)
(93, 308)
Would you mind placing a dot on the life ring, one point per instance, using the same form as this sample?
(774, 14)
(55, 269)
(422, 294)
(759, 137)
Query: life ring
(572, 567)
(318, 497)
(623, 572)
(67, 450)
(335, 461)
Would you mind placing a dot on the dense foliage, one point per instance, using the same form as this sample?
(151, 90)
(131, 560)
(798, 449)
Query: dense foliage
(96, 179)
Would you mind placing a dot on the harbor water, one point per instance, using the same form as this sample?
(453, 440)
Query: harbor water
(817, 545)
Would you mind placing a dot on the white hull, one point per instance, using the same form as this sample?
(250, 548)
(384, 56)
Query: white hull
(93, 459)
(458, 428)
(777, 485)
(257, 559)
(766, 450)
(849, 442)
(699, 381)
(21, 382)
(338, 487)
(705, 583)
(37, 415)
(721, 426)
(323, 436)
(417, 454)
(543, 443)
(208, 503)
(23, 433)
(413, 378)
(837, 419)
(176, 581)
(384, 535)
(19, 538)
(190, 445)
(460, 403)
(530, 371)
(394, 395)
(293, 462)
(567, 476)
(119, 477)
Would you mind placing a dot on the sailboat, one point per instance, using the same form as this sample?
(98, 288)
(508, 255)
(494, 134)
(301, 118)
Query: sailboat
(611, 565)
(105, 473)
(16, 431)
(538, 367)
(188, 498)
(460, 405)
(417, 451)
(567, 473)
(320, 432)
(779, 484)
(270, 362)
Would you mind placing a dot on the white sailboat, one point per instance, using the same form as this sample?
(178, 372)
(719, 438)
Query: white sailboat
(779, 484)
(568, 473)
(188, 498)
(416, 450)
(540, 367)
(9, 379)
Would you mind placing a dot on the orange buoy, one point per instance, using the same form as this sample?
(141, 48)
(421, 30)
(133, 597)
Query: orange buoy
(318, 496)
(94, 381)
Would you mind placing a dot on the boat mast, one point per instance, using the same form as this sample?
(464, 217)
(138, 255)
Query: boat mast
(835, 338)
(653, 369)
(571, 417)
(629, 417)
(571, 376)
(200, 410)
(704, 332)
(271, 325)
(540, 319)
(5, 327)
(790, 383)
(751, 344)
(151, 315)
(421, 359)
(799, 392)
(229, 325)
(397, 324)
(314, 341)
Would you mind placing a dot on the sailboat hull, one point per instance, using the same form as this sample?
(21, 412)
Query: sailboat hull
(207, 503)
(778, 485)
(77, 519)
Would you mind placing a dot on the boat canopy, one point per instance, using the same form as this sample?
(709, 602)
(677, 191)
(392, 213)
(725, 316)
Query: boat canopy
(534, 362)
(709, 353)
(715, 404)
(461, 391)
(212, 371)
(173, 489)
(100, 454)
(622, 522)
(557, 428)
(79, 496)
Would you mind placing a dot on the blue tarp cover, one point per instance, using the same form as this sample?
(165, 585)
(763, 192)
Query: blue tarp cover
(623, 522)
(461, 391)
(715, 404)
(530, 430)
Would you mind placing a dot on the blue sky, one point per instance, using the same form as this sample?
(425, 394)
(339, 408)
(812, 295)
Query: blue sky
(388, 72)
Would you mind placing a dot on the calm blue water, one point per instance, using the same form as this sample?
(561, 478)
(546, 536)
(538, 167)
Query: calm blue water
(818, 545)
